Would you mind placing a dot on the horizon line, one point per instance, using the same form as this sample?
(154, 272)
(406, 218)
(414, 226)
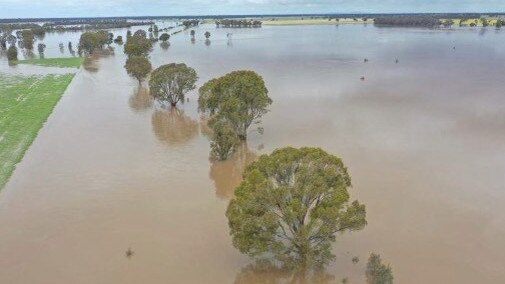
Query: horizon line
(253, 15)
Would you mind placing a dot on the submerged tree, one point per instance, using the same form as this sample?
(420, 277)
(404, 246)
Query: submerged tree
(290, 205)
(41, 48)
(224, 140)
(377, 272)
(192, 33)
(164, 37)
(89, 41)
(138, 45)
(12, 53)
(170, 82)
(240, 97)
(28, 39)
(207, 34)
(140, 33)
(138, 67)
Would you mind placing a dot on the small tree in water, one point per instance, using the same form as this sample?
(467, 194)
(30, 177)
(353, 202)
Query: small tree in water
(138, 67)
(224, 140)
(207, 35)
(377, 272)
(170, 83)
(164, 37)
(138, 45)
(290, 205)
(12, 53)
(240, 97)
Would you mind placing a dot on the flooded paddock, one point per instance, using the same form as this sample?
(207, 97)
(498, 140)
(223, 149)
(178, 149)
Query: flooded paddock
(423, 139)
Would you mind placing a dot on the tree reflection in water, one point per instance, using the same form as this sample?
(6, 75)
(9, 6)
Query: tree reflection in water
(165, 45)
(267, 273)
(173, 127)
(140, 100)
(227, 174)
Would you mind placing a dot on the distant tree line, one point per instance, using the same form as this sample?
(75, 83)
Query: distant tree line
(229, 23)
(408, 20)
(190, 23)
(72, 25)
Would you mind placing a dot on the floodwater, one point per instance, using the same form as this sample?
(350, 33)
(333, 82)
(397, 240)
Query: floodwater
(424, 141)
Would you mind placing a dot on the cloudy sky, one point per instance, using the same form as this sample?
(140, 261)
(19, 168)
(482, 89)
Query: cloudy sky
(76, 8)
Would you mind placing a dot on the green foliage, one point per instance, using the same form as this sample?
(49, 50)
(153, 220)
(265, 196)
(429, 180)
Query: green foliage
(164, 37)
(89, 41)
(290, 205)
(500, 23)
(28, 38)
(485, 22)
(38, 30)
(12, 53)
(224, 140)
(448, 23)
(25, 103)
(377, 272)
(41, 47)
(138, 67)
(54, 62)
(170, 82)
(138, 45)
(140, 33)
(239, 97)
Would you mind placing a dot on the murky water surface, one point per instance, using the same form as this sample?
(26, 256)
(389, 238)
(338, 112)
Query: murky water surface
(424, 141)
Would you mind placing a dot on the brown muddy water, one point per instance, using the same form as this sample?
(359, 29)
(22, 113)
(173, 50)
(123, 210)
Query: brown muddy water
(424, 141)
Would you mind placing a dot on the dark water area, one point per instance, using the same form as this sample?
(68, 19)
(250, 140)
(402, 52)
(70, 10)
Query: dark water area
(423, 139)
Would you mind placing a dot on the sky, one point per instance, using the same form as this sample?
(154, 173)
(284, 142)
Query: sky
(100, 8)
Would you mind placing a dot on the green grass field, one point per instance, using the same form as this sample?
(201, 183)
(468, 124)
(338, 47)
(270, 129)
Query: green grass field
(54, 62)
(25, 104)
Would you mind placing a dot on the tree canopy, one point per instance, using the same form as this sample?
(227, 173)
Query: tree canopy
(138, 67)
(224, 140)
(290, 205)
(12, 53)
(28, 38)
(90, 41)
(377, 272)
(164, 37)
(170, 82)
(239, 97)
(138, 45)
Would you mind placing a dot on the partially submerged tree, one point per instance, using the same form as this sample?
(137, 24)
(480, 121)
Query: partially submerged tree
(240, 97)
(224, 140)
(138, 45)
(377, 272)
(12, 53)
(138, 67)
(140, 33)
(290, 205)
(192, 33)
(207, 34)
(170, 82)
(28, 39)
(89, 41)
(41, 48)
(164, 37)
